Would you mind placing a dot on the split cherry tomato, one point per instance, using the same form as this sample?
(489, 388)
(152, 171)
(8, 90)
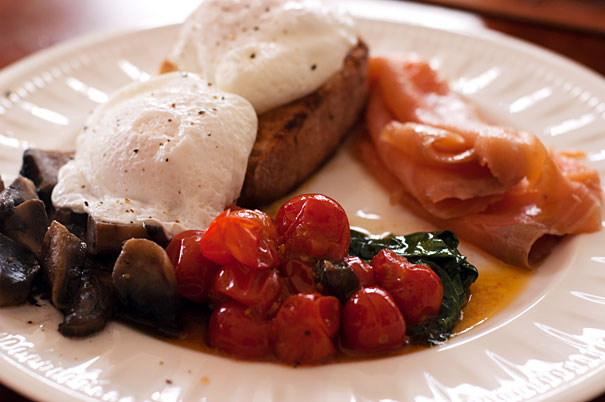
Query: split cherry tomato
(313, 226)
(372, 323)
(417, 289)
(234, 330)
(243, 235)
(304, 329)
(252, 287)
(298, 277)
(194, 273)
(362, 270)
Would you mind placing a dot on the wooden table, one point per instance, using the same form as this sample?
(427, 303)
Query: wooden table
(27, 26)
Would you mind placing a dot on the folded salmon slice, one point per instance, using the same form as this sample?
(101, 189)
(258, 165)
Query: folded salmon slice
(497, 187)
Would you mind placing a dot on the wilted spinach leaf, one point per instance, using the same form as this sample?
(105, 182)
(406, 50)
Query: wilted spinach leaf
(439, 251)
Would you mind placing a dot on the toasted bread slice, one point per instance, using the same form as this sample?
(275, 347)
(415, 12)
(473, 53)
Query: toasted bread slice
(294, 139)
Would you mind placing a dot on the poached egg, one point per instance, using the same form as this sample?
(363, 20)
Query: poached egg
(270, 52)
(171, 151)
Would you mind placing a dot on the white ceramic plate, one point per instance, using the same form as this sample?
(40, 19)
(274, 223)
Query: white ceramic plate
(549, 343)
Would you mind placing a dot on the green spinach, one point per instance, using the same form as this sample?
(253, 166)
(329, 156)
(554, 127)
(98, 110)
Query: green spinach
(439, 251)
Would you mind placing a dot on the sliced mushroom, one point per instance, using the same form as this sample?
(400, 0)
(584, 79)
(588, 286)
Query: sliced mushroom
(27, 225)
(20, 190)
(74, 222)
(94, 304)
(144, 280)
(18, 269)
(107, 238)
(157, 234)
(63, 257)
(336, 279)
(1, 184)
(41, 167)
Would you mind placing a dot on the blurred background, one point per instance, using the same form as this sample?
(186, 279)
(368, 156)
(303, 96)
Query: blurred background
(586, 15)
(575, 28)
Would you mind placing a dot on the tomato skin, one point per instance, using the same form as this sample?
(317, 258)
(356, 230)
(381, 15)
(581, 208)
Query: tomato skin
(297, 276)
(194, 273)
(258, 289)
(362, 270)
(372, 322)
(234, 330)
(417, 289)
(243, 235)
(313, 226)
(304, 329)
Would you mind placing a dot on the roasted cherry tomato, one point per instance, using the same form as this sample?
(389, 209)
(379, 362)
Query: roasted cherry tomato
(362, 270)
(304, 329)
(194, 273)
(372, 323)
(243, 235)
(313, 226)
(417, 289)
(234, 330)
(297, 276)
(258, 289)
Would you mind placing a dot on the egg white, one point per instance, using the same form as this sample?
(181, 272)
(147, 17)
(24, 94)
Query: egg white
(270, 52)
(171, 151)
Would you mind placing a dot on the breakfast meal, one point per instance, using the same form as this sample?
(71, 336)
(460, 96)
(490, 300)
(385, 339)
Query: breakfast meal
(151, 219)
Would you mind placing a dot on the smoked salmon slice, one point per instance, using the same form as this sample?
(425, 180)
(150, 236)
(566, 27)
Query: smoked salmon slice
(496, 187)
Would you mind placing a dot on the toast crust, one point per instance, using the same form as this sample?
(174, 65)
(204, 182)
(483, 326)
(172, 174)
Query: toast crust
(167, 67)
